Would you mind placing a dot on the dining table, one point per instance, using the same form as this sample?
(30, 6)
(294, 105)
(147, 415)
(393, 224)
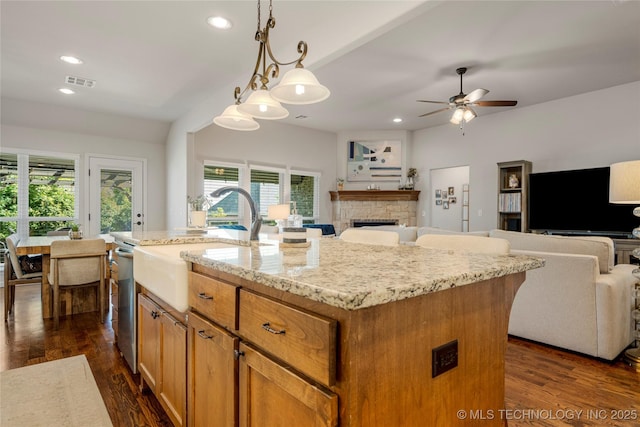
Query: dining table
(72, 301)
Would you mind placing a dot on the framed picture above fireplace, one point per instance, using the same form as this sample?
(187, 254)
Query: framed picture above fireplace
(374, 160)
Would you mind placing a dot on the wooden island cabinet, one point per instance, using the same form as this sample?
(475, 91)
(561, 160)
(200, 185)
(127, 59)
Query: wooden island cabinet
(162, 355)
(271, 345)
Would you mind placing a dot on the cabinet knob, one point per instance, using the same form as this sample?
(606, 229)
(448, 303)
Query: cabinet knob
(155, 314)
(238, 353)
(267, 327)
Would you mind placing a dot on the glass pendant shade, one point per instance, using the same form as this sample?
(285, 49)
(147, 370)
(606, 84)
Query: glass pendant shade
(233, 119)
(300, 86)
(457, 116)
(469, 114)
(261, 105)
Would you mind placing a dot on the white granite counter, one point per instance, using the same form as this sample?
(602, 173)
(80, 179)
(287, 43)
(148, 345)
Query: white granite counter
(149, 238)
(353, 276)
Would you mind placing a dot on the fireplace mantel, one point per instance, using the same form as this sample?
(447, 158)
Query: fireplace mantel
(374, 195)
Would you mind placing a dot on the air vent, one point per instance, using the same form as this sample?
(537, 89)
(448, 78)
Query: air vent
(80, 81)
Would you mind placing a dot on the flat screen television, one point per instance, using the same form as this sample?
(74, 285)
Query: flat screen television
(577, 202)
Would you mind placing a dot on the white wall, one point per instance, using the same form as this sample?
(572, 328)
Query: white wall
(274, 144)
(589, 130)
(54, 141)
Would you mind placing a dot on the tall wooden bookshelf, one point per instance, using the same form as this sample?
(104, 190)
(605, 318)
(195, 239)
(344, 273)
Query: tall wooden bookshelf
(513, 181)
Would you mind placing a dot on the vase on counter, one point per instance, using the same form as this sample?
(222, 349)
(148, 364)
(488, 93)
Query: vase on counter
(198, 219)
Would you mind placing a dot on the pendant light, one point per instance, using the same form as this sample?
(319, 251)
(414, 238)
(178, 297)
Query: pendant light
(298, 86)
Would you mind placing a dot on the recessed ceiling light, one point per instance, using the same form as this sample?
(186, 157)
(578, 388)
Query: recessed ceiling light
(71, 60)
(219, 22)
(66, 91)
(397, 120)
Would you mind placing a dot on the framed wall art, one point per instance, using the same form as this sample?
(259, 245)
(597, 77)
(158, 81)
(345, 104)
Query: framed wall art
(374, 161)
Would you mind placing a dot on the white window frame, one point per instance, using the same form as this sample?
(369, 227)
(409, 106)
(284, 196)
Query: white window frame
(316, 191)
(23, 219)
(242, 173)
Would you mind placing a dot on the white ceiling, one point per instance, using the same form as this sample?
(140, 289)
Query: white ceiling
(159, 59)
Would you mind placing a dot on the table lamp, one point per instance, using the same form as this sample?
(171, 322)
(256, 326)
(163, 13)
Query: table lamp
(624, 188)
(279, 213)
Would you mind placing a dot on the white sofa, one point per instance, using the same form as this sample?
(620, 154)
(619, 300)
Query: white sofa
(579, 300)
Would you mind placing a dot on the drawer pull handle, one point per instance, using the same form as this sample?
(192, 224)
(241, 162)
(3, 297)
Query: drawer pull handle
(267, 327)
(201, 334)
(202, 295)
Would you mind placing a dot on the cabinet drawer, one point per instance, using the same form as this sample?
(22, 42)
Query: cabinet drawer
(214, 299)
(305, 341)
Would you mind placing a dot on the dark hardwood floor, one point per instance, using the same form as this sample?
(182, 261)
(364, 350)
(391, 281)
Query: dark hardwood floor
(544, 386)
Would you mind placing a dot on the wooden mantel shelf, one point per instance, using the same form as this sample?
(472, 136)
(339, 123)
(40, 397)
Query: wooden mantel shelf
(373, 195)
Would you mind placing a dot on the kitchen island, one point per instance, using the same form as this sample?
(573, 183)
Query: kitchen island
(348, 334)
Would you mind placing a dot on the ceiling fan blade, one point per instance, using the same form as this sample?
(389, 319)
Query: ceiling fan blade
(473, 96)
(496, 103)
(433, 102)
(434, 112)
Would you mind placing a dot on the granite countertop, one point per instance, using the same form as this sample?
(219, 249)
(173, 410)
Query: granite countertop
(150, 238)
(353, 276)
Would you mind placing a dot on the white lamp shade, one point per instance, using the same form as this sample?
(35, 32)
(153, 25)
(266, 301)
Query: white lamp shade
(233, 119)
(300, 86)
(624, 182)
(261, 105)
(278, 211)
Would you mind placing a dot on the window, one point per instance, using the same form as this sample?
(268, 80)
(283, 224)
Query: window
(38, 193)
(304, 191)
(223, 210)
(266, 188)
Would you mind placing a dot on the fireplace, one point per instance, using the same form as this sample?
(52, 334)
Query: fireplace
(370, 222)
(355, 208)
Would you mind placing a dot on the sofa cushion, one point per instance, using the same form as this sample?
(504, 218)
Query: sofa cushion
(601, 247)
(407, 234)
(435, 230)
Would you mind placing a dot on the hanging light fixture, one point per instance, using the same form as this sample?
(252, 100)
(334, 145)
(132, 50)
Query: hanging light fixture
(298, 86)
(461, 114)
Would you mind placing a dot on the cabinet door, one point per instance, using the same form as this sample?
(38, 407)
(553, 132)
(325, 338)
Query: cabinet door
(148, 341)
(213, 375)
(272, 396)
(173, 381)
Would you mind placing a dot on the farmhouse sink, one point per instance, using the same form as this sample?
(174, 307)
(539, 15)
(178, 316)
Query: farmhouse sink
(161, 270)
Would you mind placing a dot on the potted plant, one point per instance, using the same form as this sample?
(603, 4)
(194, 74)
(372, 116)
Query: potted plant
(340, 183)
(411, 174)
(75, 231)
(198, 211)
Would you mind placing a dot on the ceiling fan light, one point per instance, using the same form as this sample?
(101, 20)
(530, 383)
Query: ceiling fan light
(458, 115)
(233, 119)
(300, 86)
(261, 105)
(469, 114)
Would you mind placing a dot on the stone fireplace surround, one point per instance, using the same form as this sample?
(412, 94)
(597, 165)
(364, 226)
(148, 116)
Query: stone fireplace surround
(398, 206)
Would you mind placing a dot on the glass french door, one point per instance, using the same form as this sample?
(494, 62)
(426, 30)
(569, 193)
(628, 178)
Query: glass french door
(115, 195)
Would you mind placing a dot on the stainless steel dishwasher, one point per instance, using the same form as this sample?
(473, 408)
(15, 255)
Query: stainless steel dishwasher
(127, 306)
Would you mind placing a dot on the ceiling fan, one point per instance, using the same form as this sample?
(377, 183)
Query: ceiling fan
(462, 103)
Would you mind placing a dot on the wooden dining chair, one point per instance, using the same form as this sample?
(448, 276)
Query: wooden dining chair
(371, 237)
(76, 264)
(15, 274)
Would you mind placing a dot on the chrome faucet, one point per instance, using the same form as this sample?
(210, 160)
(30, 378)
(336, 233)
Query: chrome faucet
(256, 219)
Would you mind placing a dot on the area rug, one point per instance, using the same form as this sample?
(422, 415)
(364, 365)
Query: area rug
(58, 393)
